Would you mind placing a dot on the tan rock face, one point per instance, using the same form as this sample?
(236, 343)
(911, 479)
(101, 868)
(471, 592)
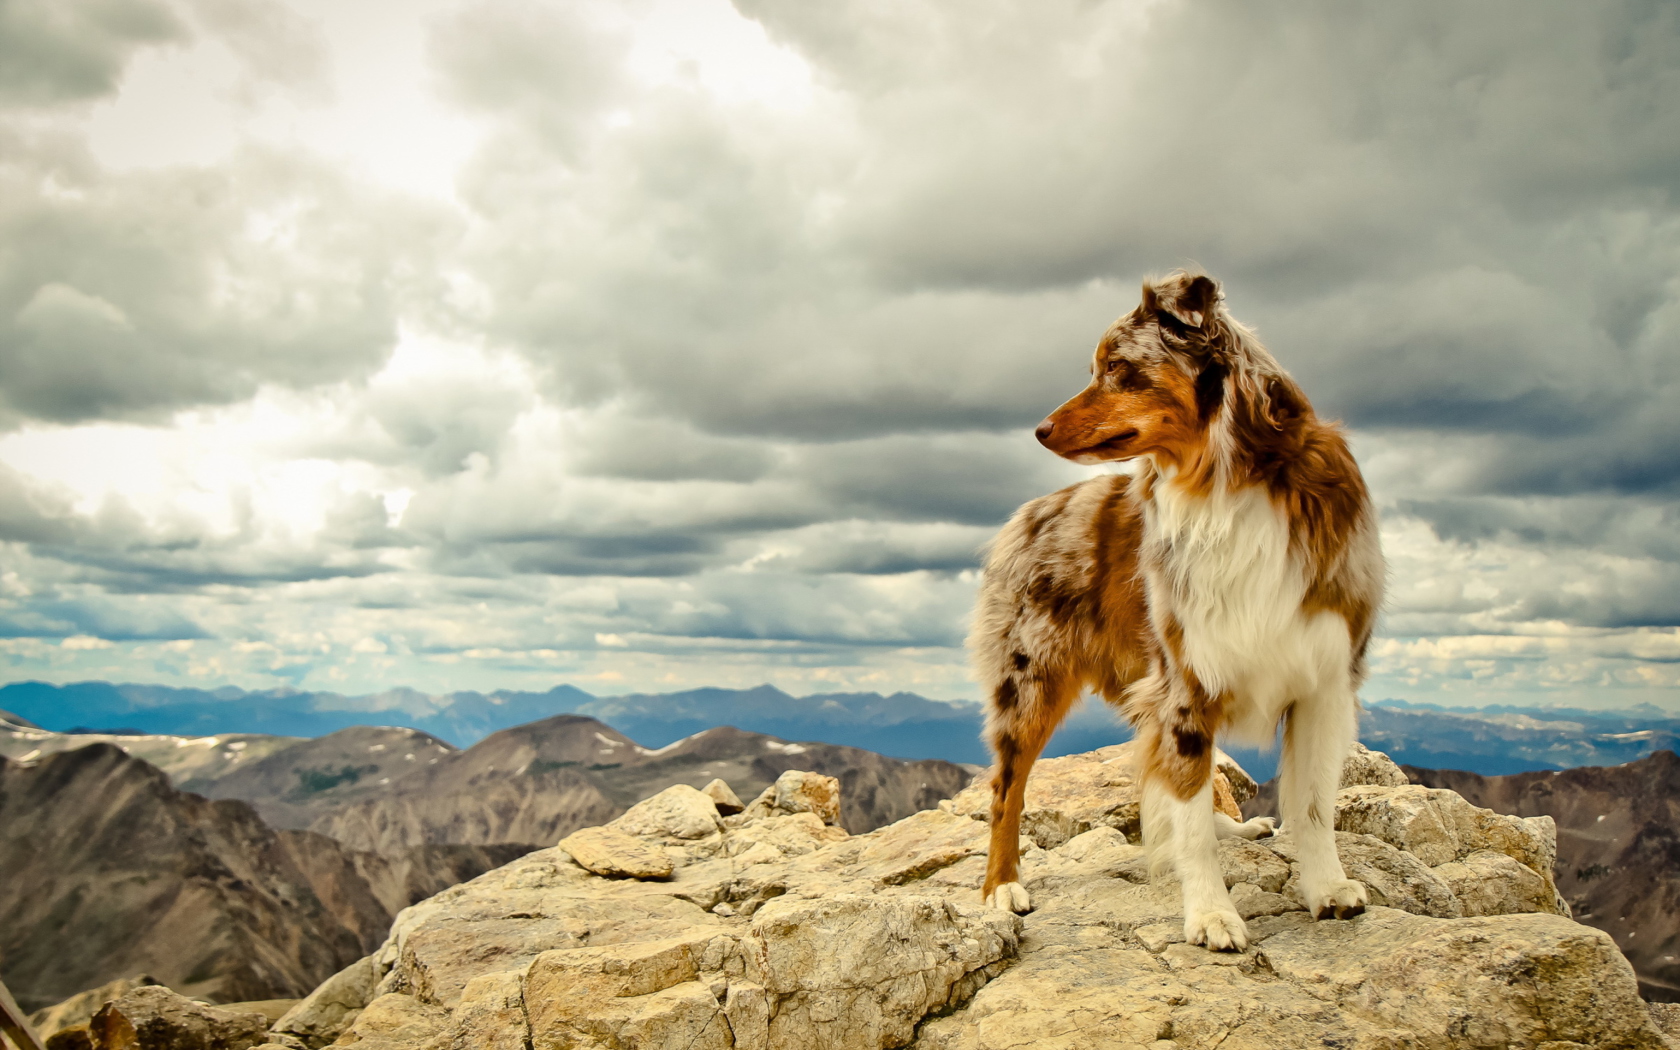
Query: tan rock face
(328, 1010)
(796, 791)
(610, 852)
(1364, 766)
(398, 1022)
(776, 930)
(79, 1009)
(155, 1018)
(1496, 864)
(678, 812)
(724, 797)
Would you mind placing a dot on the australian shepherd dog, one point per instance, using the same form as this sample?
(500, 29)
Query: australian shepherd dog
(1227, 584)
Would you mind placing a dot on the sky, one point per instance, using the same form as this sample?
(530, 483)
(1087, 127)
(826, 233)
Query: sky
(649, 345)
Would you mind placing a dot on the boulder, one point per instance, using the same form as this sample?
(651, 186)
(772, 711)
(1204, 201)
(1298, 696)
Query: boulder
(323, 1014)
(727, 802)
(856, 973)
(1070, 795)
(398, 1022)
(76, 1037)
(796, 791)
(1364, 766)
(80, 1008)
(155, 1018)
(678, 812)
(776, 930)
(1461, 842)
(610, 852)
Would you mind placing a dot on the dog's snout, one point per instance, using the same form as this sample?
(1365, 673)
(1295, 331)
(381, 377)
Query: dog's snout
(1044, 429)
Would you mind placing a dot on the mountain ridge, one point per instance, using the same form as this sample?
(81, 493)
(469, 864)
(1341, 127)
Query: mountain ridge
(1492, 741)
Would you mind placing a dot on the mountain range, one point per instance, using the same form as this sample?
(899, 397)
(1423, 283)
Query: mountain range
(246, 866)
(1490, 741)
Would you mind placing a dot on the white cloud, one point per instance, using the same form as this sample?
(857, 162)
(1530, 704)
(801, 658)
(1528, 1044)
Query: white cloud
(507, 342)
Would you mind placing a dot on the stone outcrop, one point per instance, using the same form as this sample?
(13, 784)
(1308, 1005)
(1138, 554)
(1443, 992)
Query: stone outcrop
(610, 852)
(155, 1018)
(1616, 860)
(776, 929)
(80, 1008)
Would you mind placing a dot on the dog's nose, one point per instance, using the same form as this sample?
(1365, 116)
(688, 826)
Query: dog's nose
(1044, 429)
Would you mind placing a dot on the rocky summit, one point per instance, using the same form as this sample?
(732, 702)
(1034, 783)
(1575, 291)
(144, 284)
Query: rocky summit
(773, 927)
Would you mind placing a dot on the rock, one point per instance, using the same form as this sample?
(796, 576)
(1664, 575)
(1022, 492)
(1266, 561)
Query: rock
(644, 994)
(491, 1014)
(1364, 766)
(1438, 825)
(1243, 787)
(778, 931)
(1489, 883)
(786, 836)
(271, 1009)
(320, 1016)
(398, 1022)
(796, 791)
(610, 852)
(1070, 795)
(861, 972)
(76, 1037)
(1392, 878)
(678, 812)
(155, 1018)
(723, 797)
(1524, 980)
(80, 1008)
(1666, 1016)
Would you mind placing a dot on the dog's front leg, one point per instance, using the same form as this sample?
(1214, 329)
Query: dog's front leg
(1316, 738)
(1181, 831)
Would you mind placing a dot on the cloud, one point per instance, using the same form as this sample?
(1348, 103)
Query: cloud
(130, 295)
(726, 344)
(56, 51)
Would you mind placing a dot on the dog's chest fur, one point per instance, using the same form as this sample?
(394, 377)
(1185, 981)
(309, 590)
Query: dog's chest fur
(1222, 568)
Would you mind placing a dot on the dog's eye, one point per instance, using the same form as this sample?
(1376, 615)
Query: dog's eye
(1114, 364)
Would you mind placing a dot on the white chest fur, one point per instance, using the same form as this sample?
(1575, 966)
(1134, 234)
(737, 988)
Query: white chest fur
(1221, 567)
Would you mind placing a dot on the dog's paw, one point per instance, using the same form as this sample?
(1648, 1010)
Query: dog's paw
(1221, 929)
(1257, 828)
(1011, 896)
(1341, 899)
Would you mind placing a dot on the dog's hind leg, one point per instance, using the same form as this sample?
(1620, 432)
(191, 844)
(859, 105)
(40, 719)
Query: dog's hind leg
(1026, 706)
(1254, 828)
(1316, 738)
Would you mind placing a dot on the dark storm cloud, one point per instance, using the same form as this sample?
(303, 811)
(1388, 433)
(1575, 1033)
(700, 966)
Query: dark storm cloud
(130, 295)
(971, 479)
(99, 617)
(1625, 527)
(54, 51)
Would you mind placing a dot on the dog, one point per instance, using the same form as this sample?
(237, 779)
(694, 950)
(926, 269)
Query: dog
(1228, 584)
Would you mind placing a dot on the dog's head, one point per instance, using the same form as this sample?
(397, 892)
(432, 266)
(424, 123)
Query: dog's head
(1156, 379)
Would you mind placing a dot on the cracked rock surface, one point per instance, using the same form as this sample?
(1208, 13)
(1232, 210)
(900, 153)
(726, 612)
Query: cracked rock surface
(776, 929)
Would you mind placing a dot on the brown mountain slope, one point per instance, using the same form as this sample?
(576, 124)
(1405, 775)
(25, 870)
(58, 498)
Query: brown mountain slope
(549, 778)
(290, 787)
(107, 871)
(1618, 860)
(538, 782)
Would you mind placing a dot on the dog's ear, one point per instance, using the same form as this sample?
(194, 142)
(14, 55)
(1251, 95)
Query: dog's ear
(1187, 299)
